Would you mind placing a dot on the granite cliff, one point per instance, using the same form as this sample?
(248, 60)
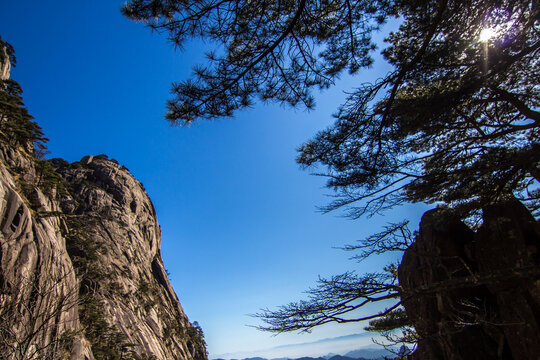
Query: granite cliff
(81, 275)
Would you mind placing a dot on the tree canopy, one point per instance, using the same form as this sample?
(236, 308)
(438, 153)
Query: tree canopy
(455, 121)
(276, 50)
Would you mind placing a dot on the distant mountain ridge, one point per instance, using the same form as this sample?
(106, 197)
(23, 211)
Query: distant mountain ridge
(360, 354)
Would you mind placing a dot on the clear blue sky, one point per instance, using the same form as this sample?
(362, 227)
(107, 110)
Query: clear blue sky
(238, 216)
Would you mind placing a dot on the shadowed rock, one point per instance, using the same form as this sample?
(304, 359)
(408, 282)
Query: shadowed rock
(475, 295)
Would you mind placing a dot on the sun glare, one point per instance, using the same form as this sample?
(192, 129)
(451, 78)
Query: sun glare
(487, 34)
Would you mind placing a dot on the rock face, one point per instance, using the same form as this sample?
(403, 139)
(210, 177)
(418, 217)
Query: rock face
(475, 295)
(38, 286)
(116, 221)
(5, 66)
(81, 275)
(90, 250)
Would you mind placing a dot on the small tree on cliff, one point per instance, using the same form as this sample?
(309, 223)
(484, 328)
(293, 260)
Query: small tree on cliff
(16, 125)
(455, 121)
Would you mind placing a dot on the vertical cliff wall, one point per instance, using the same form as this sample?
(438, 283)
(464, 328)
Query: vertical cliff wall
(114, 244)
(81, 275)
(38, 285)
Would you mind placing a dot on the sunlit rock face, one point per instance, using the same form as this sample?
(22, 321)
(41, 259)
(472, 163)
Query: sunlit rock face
(81, 275)
(119, 226)
(39, 290)
(475, 295)
(5, 66)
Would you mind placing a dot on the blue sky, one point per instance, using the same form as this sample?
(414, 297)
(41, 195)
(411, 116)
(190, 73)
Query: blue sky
(238, 216)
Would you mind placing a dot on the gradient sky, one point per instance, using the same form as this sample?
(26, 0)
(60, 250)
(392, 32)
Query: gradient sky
(239, 217)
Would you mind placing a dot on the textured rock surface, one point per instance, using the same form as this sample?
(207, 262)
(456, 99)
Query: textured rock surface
(81, 275)
(92, 254)
(5, 66)
(475, 295)
(39, 289)
(134, 290)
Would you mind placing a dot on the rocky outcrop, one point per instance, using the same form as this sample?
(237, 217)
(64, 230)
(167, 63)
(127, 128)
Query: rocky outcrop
(81, 275)
(116, 222)
(475, 295)
(90, 251)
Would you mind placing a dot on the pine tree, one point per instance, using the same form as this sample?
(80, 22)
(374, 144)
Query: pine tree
(16, 125)
(456, 120)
